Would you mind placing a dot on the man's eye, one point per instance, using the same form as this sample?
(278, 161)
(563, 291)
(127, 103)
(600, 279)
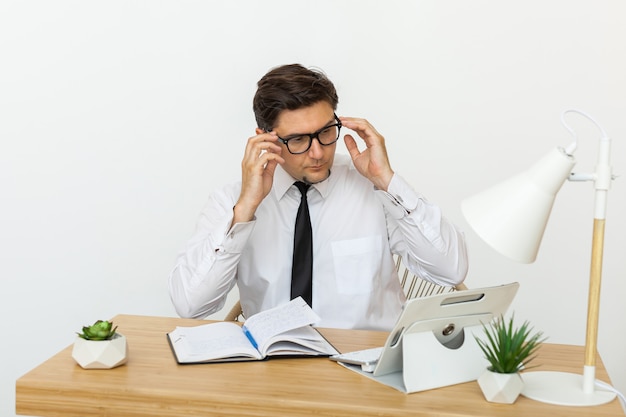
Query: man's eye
(298, 139)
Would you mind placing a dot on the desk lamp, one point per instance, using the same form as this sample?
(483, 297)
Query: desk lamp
(511, 218)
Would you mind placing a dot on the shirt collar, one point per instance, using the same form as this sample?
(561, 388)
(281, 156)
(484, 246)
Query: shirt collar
(283, 181)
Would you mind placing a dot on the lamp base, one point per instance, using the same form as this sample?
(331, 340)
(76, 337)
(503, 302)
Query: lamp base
(562, 388)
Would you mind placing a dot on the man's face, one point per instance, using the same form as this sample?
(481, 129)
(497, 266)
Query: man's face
(313, 165)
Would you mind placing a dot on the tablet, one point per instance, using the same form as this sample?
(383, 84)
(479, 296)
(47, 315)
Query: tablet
(446, 315)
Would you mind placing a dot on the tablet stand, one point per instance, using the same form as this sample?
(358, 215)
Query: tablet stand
(433, 342)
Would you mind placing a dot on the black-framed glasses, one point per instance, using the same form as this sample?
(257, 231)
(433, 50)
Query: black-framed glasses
(297, 144)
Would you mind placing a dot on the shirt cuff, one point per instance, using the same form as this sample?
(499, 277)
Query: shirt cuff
(400, 199)
(236, 238)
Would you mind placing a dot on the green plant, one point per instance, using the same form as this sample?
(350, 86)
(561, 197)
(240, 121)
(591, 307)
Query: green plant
(509, 350)
(100, 330)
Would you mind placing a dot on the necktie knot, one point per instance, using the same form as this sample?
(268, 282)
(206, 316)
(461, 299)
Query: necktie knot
(302, 187)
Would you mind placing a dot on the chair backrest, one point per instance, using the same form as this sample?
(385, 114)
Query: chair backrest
(235, 313)
(413, 287)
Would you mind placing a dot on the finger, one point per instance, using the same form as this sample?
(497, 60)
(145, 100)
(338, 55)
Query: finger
(255, 163)
(270, 157)
(353, 149)
(263, 137)
(270, 167)
(363, 128)
(269, 147)
(260, 143)
(263, 167)
(355, 123)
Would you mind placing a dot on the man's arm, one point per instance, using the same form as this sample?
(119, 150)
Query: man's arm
(430, 245)
(206, 270)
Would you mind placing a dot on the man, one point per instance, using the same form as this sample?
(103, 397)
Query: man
(361, 213)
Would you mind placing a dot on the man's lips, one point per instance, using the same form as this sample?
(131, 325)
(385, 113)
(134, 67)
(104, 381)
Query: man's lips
(320, 166)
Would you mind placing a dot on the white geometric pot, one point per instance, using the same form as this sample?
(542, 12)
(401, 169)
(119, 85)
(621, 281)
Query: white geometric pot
(500, 388)
(100, 354)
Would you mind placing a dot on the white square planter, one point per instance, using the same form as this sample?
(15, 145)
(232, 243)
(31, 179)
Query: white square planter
(100, 354)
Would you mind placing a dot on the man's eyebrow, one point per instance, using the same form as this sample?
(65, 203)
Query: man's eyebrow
(330, 122)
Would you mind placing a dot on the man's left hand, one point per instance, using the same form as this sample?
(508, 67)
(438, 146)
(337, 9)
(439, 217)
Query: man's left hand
(373, 162)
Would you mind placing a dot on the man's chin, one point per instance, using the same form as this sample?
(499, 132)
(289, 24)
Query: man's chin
(315, 177)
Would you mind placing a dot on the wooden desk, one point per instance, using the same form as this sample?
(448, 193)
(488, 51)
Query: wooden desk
(152, 384)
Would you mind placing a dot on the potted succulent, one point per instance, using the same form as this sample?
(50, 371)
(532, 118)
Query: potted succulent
(508, 350)
(99, 346)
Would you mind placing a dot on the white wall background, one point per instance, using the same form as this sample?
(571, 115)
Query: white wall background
(118, 118)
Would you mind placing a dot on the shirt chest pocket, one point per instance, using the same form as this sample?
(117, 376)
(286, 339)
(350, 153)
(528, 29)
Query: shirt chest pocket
(357, 264)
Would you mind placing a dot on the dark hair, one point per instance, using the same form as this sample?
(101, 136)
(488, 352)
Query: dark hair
(290, 87)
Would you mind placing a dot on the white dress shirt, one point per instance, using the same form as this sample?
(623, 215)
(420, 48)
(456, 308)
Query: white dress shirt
(356, 231)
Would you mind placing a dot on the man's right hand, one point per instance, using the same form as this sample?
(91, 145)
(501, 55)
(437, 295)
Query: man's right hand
(257, 173)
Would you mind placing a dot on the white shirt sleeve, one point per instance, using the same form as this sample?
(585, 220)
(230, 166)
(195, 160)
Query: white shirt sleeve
(430, 245)
(205, 271)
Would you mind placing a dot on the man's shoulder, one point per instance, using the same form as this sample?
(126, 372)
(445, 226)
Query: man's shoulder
(227, 193)
(343, 166)
(343, 160)
(344, 172)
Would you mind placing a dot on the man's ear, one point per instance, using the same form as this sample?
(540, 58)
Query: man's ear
(259, 131)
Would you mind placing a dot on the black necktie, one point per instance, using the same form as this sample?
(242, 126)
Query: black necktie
(302, 267)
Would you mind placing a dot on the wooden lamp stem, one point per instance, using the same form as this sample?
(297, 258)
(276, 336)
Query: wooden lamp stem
(602, 180)
(593, 307)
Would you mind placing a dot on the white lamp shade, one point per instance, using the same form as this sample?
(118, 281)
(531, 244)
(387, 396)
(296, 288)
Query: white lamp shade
(512, 215)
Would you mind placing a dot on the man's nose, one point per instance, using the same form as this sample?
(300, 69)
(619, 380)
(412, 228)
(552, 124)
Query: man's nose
(315, 151)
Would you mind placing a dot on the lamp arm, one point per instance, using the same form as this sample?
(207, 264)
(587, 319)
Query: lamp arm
(572, 147)
(603, 175)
